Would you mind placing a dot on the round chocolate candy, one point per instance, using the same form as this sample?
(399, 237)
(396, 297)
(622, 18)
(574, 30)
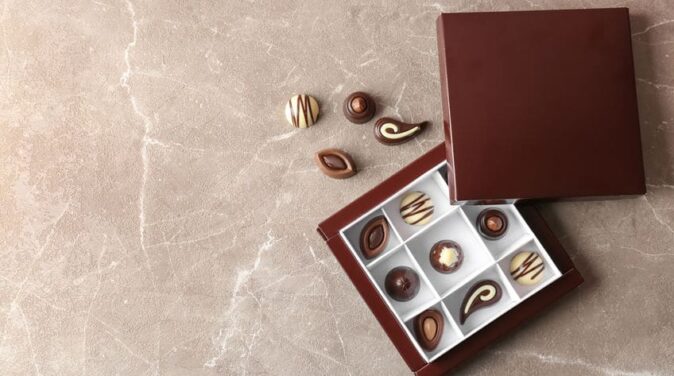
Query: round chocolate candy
(359, 107)
(402, 283)
(302, 111)
(416, 208)
(492, 223)
(526, 268)
(446, 256)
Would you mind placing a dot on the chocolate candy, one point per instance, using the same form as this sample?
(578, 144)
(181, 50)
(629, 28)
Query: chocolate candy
(428, 327)
(359, 107)
(402, 283)
(374, 237)
(526, 268)
(482, 294)
(390, 131)
(446, 256)
(416, 208)
(302, 111)
(492, 223)
(335, 163)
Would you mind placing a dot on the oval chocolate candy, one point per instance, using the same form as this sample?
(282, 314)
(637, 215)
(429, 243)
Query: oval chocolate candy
(335, 163)
(374, 237)
(428, 327)
(390, 131)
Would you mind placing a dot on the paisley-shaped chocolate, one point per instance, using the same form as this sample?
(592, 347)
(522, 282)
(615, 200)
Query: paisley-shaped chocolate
(482, 294)
(390, 131)
(335, 163)
(428, 327)
(374, 237)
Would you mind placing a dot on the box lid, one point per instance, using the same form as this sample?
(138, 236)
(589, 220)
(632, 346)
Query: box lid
(540, 104)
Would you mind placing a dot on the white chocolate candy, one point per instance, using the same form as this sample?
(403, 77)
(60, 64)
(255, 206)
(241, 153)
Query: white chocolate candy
(302, 111)
(416, 208)
(526, 268)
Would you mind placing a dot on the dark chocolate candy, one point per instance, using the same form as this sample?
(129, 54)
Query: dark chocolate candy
(402, 283)
(482, 294)
(492, 223)
(446, 256)
(374, 237)
(390, 131)
(336, 163)
(428, 327)
(359, 107)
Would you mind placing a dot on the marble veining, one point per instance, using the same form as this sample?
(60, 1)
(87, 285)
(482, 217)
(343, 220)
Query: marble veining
(158, 214)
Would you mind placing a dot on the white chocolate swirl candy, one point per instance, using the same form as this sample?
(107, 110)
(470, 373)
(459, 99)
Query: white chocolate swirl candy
(302, 111)
(482, 294)
(390, 131)
(416, 208)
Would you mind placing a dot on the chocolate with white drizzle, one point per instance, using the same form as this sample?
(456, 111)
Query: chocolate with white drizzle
(390, 131)
(482, 294)
(526, 268)
(335, 163)
(374, 237)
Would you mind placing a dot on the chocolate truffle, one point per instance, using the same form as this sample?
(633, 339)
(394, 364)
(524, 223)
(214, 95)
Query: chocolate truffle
(446, 256)
(359, 107)
(416, 208)
(428, 327)
(492, 223)
(374, 237)
(335, 163)
(526, 268)
(482, 294)
(402, 283)
(302, 111)
(390, 131)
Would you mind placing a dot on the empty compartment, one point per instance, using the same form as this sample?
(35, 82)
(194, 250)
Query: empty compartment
(381, 269)
(456, 228)
(353, 234)
(532, 268)
(451, 335)
(515, 229)
(434, 193)
(477, 318)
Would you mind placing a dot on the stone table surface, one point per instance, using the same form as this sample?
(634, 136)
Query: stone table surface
(158, 214)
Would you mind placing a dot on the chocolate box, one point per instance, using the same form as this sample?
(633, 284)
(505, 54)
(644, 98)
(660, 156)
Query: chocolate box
(409, 245)
(537, 105)
(540, 104)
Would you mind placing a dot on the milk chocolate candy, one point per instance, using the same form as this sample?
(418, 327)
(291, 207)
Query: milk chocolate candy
(402, 283)
(428, 327)
(390, 131)
(446, 256)
(302, 111)
(359, 107)
(526, 268)
(492, 223)
(374, 237)
(482, 294)
(335, 163)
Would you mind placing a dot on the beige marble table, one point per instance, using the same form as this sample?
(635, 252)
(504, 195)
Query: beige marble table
(158, 214)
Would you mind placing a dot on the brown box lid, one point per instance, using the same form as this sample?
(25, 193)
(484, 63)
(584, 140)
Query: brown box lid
(540, 104)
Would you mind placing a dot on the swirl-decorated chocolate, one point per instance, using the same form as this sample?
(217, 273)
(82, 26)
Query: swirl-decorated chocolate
(482, 294)
(416, 208)
(390, 131)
